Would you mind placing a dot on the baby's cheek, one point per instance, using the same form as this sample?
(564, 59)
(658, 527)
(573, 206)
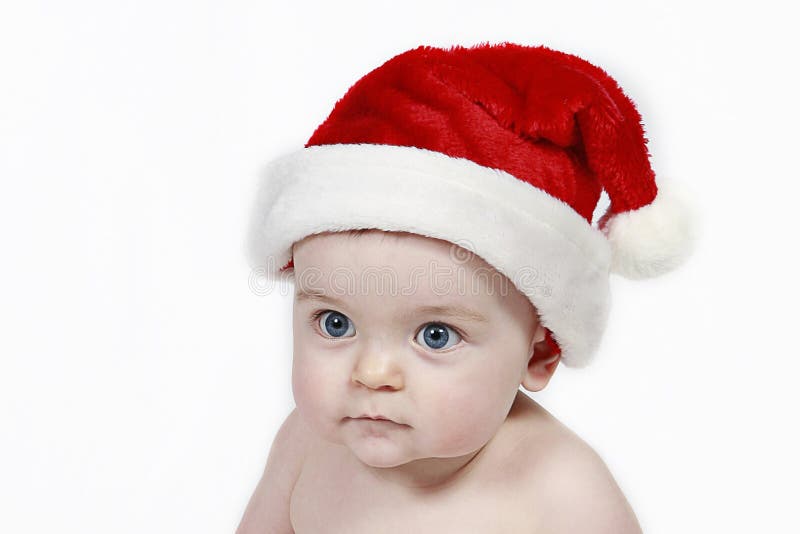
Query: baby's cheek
(302, 385)
(317, 394)
(460, 420)
(307, 386)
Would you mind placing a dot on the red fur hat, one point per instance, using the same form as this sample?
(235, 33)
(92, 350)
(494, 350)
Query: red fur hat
(503, 149)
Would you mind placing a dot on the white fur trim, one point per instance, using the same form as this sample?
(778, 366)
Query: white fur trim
(551, 253)
(654, 239)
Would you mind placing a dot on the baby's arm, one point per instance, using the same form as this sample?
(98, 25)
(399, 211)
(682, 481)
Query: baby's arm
(268, 509)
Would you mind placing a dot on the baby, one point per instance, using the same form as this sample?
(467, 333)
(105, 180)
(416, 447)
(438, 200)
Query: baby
(437, 228)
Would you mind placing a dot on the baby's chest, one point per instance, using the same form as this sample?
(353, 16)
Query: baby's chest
(329, 500)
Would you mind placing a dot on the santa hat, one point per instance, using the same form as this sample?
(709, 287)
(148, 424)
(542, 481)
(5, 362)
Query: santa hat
(503, 149)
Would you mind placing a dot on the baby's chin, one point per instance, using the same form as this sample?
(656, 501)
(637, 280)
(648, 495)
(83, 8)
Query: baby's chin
(374, 447)
(377, 447)
(381, 457)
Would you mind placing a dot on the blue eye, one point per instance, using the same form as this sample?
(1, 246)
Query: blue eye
(437, 336)
(334, 323)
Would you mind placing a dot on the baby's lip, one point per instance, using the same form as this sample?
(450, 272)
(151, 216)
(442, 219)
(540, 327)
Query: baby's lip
(376, 417)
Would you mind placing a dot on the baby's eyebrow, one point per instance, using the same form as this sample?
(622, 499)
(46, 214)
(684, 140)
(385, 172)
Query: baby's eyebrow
(302, 295)
(451, 310)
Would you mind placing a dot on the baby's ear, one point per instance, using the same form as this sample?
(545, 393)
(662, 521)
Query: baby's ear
(540, 334)
(542, 362)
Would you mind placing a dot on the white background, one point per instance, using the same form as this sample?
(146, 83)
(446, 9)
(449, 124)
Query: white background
(142, 381)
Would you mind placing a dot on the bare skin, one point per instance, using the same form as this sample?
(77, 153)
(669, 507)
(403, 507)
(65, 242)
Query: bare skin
(464, 450)
(503, 489)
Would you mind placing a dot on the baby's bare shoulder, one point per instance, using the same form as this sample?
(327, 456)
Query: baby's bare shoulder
(574, 491)
(562, 484)
(268, 509)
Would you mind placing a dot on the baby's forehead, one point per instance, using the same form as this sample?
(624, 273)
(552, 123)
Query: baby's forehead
(430, 267)
(371, 249)
(415, 271)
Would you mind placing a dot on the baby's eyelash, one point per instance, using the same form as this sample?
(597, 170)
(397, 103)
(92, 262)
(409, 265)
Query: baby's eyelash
(314, 321)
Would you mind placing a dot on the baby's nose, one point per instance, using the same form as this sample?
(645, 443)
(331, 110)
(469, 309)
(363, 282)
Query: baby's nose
(377, 372)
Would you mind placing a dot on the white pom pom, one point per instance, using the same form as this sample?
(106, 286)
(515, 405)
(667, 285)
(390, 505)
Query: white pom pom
(655, 238)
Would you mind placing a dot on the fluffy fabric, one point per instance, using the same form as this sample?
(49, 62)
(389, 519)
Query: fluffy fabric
(562, 265)
(655, 238)
(503, 149)
(546, 117)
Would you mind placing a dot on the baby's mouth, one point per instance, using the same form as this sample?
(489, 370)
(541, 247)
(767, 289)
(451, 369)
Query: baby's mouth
(375, 417)
(381, 420)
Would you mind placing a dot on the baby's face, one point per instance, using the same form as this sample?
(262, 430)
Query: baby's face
(441, 355)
